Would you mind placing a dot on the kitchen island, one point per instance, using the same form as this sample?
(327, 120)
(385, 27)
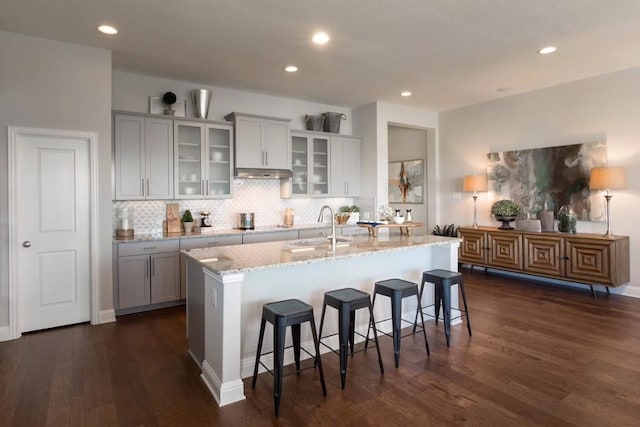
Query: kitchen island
(227, 286)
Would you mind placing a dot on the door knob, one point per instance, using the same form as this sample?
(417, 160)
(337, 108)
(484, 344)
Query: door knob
(26, 243)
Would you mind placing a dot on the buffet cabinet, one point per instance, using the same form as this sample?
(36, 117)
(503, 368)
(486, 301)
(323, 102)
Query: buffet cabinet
(583, 258)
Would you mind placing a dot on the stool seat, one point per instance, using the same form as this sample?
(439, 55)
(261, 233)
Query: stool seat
(397, 290)
(291, 311)
(443, 280)
(281, 314)
(347, 301)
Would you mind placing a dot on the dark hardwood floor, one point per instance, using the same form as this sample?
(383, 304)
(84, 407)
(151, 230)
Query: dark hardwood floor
(539, 355)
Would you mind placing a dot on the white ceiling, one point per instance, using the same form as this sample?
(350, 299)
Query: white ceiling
(449, 53)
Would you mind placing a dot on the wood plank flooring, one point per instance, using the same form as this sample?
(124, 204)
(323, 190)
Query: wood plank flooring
(539, 356)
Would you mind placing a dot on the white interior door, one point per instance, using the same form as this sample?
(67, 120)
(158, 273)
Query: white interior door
(53, 200)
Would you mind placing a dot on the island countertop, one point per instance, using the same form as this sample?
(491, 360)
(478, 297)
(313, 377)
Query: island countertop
(258, 256)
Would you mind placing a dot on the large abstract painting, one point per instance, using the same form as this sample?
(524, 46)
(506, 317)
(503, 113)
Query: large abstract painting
(555, 175)
(406, 181)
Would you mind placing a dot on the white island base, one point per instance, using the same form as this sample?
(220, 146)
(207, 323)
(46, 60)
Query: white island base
(227, 286)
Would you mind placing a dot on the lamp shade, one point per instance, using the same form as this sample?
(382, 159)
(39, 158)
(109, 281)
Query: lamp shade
(607, 179)
(474, 183)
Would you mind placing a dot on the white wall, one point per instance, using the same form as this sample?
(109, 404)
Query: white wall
(374, 119)
(604, 107)
(49, 84)
(131, 92)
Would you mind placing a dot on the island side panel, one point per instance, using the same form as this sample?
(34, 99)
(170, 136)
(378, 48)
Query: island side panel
(195, 309)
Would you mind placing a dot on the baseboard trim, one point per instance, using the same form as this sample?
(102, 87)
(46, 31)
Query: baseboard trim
(224, 394)
(106, 316)
(5, 333)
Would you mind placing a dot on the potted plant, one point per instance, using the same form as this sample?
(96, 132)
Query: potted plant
(169, 98)
(187, 220)
(505, 211)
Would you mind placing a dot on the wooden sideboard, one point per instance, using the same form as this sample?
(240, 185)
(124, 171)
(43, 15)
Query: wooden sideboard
(590, 259)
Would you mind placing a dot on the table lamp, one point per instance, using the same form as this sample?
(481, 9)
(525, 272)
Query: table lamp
(607, 179)
(474, 183)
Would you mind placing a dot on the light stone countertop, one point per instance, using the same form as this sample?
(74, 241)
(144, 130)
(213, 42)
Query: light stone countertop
(257, 256)
(223, 232)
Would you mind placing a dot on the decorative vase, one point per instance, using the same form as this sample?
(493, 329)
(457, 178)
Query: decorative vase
(201, 99)
(505, 220)
(188, 226)
(566, 219)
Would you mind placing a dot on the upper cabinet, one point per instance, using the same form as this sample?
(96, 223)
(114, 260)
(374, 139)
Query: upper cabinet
(261, 142)
(204, 160)
(310, 164)
(345, 166)
(143, 157)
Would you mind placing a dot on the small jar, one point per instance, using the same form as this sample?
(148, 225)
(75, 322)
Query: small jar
(566, 219)
(124, 221)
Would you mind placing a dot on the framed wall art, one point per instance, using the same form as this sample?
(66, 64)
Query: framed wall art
(554, 176)
(406, 181)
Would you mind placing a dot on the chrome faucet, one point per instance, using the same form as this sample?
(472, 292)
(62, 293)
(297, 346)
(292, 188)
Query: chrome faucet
(333, 225)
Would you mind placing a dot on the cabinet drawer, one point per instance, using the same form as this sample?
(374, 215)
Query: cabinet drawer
(352, 230)
(315, 232)
(270, 237)
(205, 242)
(150, 247)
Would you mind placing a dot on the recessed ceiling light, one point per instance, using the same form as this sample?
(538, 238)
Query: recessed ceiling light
(405, 93)
(547, 50)
(107, 29)
(504, 89)
(320, 38)
(291, 68)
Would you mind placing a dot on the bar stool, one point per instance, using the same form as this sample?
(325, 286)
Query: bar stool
(347, 301)
(443, 280)
(396, 290)
(280, 314)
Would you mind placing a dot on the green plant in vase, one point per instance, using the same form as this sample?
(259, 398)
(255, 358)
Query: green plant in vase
(505, 211)
(187, 220)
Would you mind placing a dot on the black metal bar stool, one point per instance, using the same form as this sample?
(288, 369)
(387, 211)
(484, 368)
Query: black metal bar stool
(396, 290)
(280, 314)
(443, 280)
(347, 301)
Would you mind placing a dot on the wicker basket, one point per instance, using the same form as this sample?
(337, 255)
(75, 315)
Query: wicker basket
(314, 122)
(332, 121)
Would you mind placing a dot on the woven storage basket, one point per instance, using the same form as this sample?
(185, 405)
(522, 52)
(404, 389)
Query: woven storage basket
(332, 121)
(314, 122)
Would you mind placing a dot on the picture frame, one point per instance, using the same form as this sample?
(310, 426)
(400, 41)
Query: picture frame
(157, 106)
(406, 181)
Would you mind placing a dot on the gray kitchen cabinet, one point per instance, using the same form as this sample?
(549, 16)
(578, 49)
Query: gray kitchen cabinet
(148, 273)
(345, 166)
(143, 157)
(352, 230)
(204, 160)
(270, 236)
(309, 164)
(261, 142)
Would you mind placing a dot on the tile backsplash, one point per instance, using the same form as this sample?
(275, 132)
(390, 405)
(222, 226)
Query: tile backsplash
(261, 196)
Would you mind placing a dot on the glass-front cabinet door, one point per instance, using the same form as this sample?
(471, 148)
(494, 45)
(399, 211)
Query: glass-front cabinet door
(299, 165)
(188, 142)
(309, 164)
(320, 166)
(204, 160)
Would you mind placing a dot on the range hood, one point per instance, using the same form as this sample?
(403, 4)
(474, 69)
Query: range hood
(262, 173)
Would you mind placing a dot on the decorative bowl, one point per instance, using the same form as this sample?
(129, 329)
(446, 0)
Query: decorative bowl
(398, 219)
(342, 218)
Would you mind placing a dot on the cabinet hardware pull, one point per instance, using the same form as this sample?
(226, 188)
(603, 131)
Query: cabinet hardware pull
(148, 191)
(207, 187)
(212, 243)
(142, 186)
(153, 267)
(149, 247)
(266, 158)
(146, 268)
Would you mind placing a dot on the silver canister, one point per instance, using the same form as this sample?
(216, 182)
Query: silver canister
(201, 100)
(247, 221)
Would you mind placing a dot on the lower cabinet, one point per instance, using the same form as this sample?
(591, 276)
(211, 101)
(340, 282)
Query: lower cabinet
(148, 273)
(274, 236)
(583, 258)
